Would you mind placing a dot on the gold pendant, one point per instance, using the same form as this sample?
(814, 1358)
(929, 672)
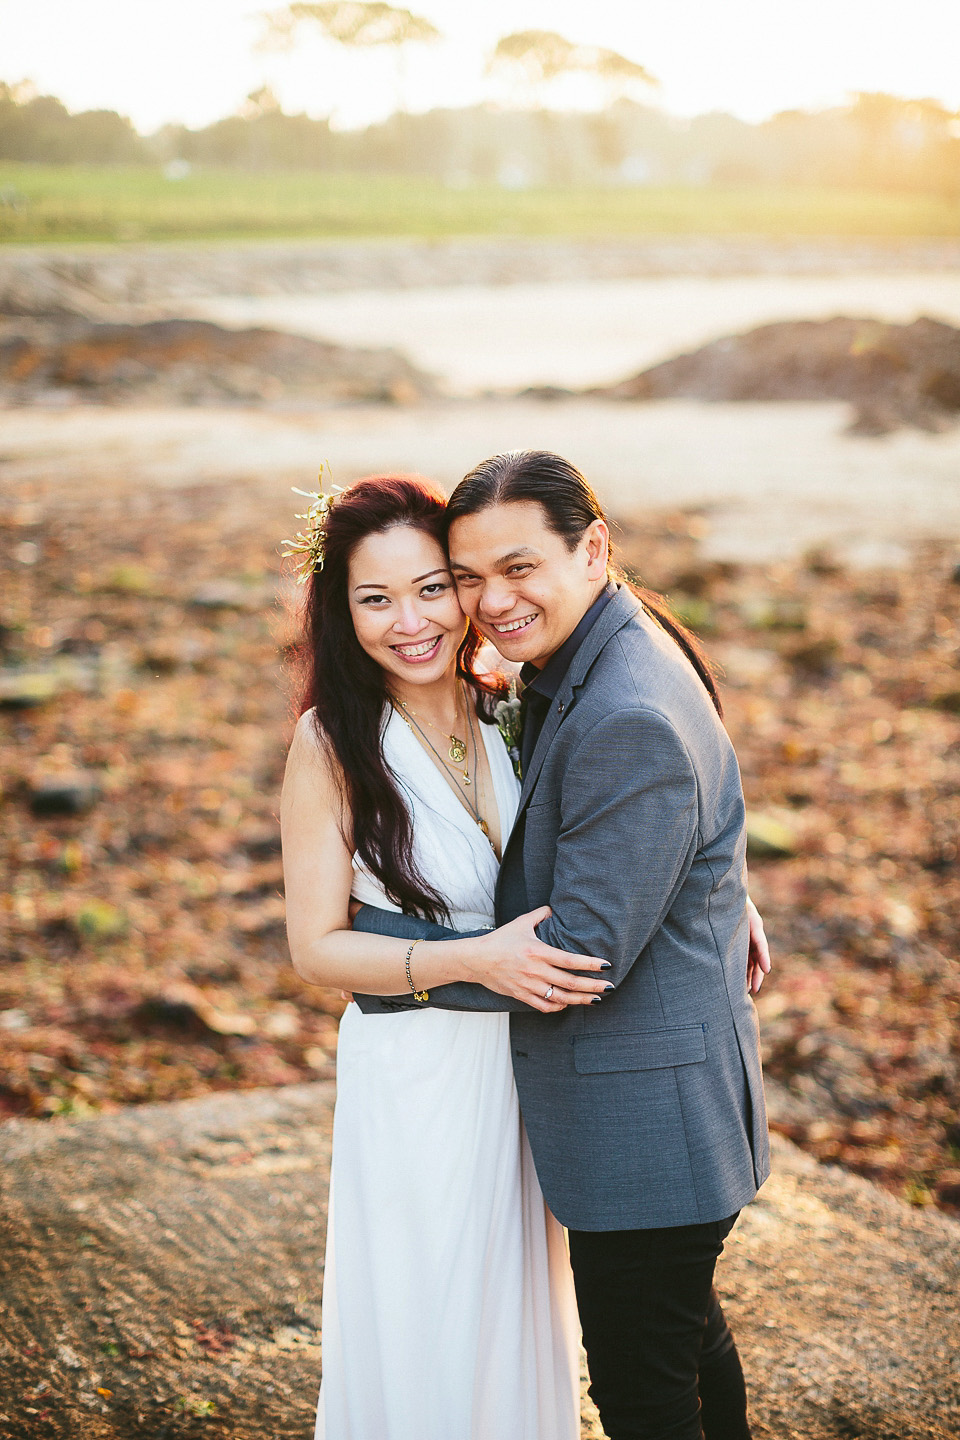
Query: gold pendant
(457, 751)
(484, 826)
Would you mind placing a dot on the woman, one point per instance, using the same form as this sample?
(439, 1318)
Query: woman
(448, 1308)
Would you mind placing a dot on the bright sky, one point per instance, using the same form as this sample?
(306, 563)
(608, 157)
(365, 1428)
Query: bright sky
(196, 60)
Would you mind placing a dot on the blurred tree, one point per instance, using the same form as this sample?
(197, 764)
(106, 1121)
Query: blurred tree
(353, 22)
(875, 142)
(260, 102)
(905, 144)
(536, 58)
(39, 128)
(261, 136)
(358, 24)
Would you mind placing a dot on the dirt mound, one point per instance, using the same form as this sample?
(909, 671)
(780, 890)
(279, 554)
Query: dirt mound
(892, 374)
(193, 362)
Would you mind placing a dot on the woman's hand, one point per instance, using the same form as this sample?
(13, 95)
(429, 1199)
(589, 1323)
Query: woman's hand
(513, 961)
(758, 956)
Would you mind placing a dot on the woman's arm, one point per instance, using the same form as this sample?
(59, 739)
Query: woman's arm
(318, 874)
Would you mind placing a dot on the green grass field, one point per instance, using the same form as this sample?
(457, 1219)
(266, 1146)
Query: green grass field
(71, 204)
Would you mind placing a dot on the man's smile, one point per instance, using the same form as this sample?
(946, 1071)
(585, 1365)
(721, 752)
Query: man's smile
(509, 627)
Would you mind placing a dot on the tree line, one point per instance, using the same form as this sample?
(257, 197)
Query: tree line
(875, 142)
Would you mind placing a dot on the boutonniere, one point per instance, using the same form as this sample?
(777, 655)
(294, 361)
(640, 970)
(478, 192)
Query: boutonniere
(506, 714)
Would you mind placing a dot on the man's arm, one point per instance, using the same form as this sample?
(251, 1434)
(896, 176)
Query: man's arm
(458, 996)
(628, 837)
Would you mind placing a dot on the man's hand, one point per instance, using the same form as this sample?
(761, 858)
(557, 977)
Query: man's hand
(758, 955)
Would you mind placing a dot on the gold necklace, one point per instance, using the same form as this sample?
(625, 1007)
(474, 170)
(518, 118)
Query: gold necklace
(408, 719)
(476, 801)
(472, 805)
(458, 747)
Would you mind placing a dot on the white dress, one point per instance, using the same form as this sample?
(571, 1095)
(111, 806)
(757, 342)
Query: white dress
(448, 1303)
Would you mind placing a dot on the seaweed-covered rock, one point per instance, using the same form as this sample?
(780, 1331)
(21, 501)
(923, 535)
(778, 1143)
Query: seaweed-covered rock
(73, 793)
(892, 374)
(194, 362)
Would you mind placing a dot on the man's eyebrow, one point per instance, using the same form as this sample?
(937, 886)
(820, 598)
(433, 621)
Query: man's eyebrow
(504, 559)
(373, 585)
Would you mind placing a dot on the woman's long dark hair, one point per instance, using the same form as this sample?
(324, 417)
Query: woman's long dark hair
(348, 689)
(569, 506)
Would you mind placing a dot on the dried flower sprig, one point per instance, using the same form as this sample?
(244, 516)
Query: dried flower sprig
(508, 717)
(310, 543)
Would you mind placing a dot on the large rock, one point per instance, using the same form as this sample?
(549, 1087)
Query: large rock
(892, 374)
(162, 1266)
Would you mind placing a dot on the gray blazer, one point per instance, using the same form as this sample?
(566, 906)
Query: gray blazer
(645, 1110)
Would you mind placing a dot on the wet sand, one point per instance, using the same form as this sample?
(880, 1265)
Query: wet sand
(772, 480)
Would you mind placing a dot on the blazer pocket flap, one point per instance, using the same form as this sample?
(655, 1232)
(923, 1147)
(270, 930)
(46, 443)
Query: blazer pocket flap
(639, 1050)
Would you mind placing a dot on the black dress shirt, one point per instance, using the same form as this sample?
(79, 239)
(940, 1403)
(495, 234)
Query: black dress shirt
(540, 686)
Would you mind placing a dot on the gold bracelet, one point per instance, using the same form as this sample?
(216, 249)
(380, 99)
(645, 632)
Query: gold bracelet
(419, 995)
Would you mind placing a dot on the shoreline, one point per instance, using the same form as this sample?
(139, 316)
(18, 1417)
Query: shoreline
(98, 276)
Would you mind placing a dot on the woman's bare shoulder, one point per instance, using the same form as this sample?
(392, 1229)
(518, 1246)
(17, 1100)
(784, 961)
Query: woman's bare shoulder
(311, 749)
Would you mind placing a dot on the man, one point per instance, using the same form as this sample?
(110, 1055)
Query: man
(645, 1113)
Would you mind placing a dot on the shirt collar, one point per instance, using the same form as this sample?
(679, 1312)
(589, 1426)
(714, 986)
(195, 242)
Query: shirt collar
(546, 682)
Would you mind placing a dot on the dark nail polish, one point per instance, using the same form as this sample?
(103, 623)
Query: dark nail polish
(611, 987)
(595, 999)
(606, 964)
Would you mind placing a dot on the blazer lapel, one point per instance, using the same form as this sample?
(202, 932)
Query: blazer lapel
(623, 607)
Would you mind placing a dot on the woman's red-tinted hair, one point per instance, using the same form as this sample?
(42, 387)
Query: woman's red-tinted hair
(348, 691)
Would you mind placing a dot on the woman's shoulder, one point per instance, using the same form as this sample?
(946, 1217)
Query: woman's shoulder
(308, 735)
(313, 782)
(312, 747)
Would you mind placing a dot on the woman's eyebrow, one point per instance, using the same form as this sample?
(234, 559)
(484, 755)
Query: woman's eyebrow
(375, 585)
(440, 570)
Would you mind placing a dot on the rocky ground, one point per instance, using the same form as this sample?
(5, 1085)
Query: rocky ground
(161, 1272)
(162, 1262)
(146, 698)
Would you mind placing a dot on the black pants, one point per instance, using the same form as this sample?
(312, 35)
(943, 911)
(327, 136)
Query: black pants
(663, 1365)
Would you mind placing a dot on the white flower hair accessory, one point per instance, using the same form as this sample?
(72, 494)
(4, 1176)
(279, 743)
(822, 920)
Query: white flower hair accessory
(309, 544)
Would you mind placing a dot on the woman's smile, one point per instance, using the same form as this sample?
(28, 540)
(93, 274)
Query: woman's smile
(420, 651)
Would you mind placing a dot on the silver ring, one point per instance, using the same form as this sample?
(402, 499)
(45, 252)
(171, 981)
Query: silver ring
(548, 993)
